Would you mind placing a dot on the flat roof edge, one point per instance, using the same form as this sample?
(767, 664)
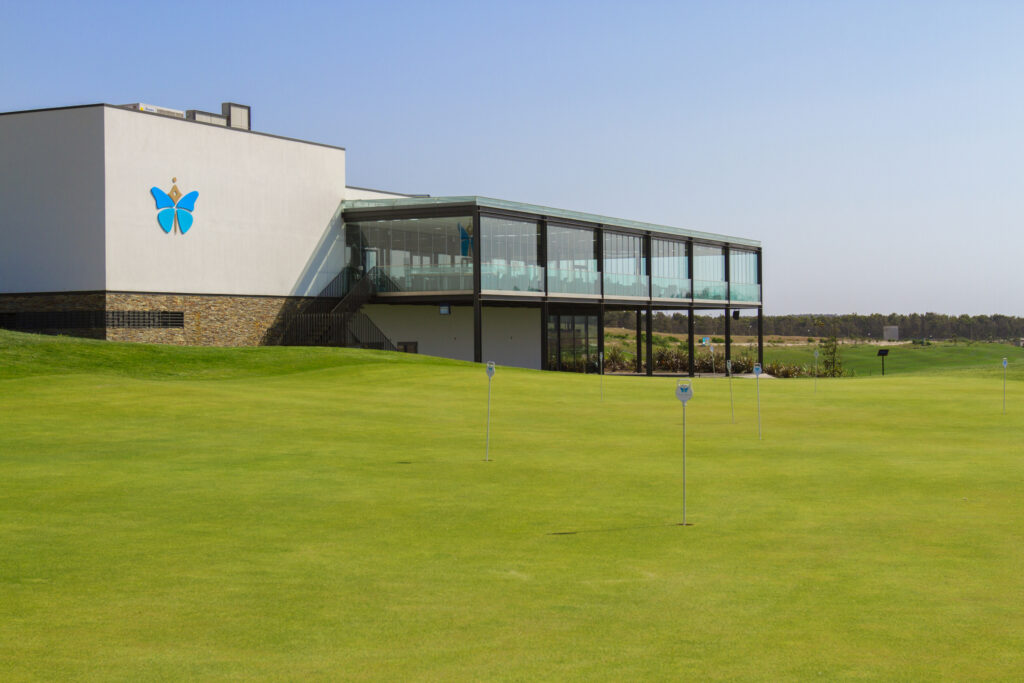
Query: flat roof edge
(547, 212)
(172, 118)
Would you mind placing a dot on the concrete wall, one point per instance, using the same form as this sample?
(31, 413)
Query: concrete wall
(511, 336)
(265, 206)
(448, 336)
(51, 201)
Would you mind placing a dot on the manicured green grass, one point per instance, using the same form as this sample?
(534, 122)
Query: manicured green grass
(311, 513)
(862, 359)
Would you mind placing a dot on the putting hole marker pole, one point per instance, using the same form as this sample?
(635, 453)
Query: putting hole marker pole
(1005, 363)
(684, 392)
(490, 376)
(732, 407)
(757, 385)
(815, 370)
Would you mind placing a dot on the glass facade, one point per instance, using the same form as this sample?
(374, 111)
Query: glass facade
(670, 269)
(414, 254)
(508, 255)
(709, 273)
(435, 255)
(572, 261)
(573, 343)
(625, 267)
(743, 280)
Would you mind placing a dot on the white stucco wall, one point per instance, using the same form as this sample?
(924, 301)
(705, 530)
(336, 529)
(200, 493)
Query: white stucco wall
(51, 201)
(511, 336)
(265, 221)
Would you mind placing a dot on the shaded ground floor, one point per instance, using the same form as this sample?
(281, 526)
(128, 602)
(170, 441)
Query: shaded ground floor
(530, 333)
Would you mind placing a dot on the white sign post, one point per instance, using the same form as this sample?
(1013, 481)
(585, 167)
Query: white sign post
(490, 376)
(732, 407)
(1005, 363)
(757, 385)
(684, 392)
(815, 370)
(712, 347)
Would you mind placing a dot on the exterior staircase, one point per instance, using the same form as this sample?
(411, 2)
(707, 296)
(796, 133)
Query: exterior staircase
(335, 318)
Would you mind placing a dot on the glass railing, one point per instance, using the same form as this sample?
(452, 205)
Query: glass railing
(570, 281)
(710, 289)
(744, 292)
(512, 277)
(670, 288)
(426, 279)
(620, 284)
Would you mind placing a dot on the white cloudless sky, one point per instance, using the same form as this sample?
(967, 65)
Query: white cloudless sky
(875, 148)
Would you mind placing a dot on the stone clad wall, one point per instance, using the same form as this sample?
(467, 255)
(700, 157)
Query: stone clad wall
(54, 303)
(210, 320)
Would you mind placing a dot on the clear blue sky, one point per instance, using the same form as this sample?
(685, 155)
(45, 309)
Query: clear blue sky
(875, 148)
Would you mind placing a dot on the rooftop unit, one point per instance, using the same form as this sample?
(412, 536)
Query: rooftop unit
(163, 111)
(231, 115)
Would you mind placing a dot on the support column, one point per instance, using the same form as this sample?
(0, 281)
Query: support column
(478, 330)
(760, 335)
(650, 341)
(478, 311)
(544, 336)
(639, 349)
(600, 337)
(689, 340)
(728, 338)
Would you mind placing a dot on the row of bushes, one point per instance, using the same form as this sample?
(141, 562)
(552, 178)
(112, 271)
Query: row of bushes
(667, 359)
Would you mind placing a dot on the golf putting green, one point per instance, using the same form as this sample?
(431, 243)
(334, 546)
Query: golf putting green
(293, 513)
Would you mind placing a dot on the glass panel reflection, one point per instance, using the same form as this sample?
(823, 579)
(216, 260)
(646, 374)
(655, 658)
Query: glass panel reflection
(625, 268)
(572, 343)
(572, 261)
(670, 270)
(414, 254)
(744, 284)
(709, 273)
(508, 255)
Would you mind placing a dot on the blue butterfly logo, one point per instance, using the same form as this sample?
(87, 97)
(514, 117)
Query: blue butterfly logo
(174, 205)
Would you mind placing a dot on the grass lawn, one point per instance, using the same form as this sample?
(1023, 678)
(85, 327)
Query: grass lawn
(325, 513)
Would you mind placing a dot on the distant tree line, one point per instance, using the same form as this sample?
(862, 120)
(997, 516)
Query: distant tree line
(850, 325)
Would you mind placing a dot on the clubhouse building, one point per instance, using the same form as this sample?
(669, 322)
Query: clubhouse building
(138, 223)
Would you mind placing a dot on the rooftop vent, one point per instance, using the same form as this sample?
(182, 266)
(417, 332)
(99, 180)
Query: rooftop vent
(238, 115)
(206, 117)
(231, 115)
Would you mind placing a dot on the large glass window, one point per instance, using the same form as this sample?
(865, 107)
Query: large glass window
(414, 254)
(572, 262)
(625, 267)
(508, 255)
(572, 343)
(670, 270)
(743, 282)
(709, 273)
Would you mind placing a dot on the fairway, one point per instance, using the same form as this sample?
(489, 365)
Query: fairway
(290, 513)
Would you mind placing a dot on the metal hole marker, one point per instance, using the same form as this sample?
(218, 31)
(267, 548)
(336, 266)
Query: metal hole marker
(757, 384)
(732, 407)
(1005, 363)
(684, 392)
(815, 370)
(490, 376)
(712, 347)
